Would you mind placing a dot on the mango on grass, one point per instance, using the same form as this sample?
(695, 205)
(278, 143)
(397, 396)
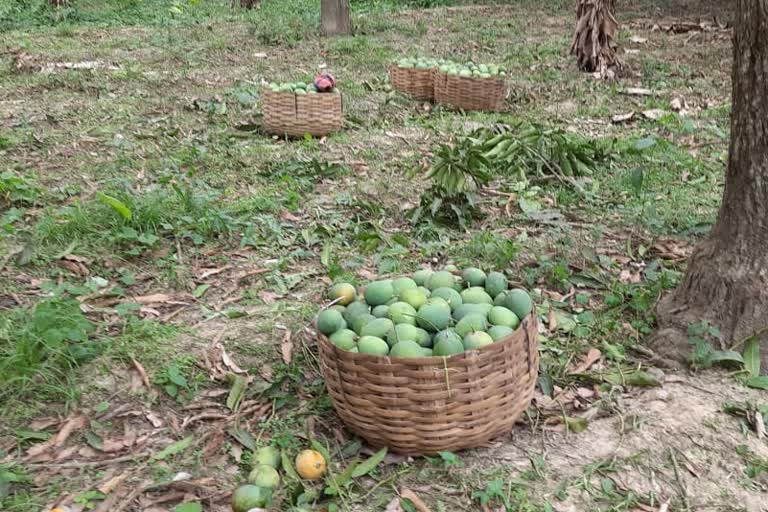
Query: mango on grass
(343, 293)
(310, 465)
(248, 497)
(268, 456)
(330, 321)
(264, 476)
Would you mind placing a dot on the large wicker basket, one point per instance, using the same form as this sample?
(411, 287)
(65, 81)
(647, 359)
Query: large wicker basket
(424, 405)
(417, 83)
(470, 93)
(295, 115)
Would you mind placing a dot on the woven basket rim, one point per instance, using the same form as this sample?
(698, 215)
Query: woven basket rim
(270, 91)
(496, 78)
(429, 360)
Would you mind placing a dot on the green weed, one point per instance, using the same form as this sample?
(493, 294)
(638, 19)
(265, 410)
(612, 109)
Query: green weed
(39, 347)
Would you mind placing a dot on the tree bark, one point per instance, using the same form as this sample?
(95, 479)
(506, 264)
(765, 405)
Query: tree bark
(727, 278)
(245, 4)
(334, 17)
(594, 40)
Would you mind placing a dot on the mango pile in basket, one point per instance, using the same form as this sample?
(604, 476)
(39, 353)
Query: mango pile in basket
(323, 83)
(429, 314)
(470, 69)
(421, 63)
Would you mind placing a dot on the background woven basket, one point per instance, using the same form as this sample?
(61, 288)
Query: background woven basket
(470, 93)
(414, 82)
(295, 115)
(424, 405)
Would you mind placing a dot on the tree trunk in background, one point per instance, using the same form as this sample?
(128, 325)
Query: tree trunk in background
(594, 41)
(727, 278)
(334, 17)
(246, 4)
(58, 3)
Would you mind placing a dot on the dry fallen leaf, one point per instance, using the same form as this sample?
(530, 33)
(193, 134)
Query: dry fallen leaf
(551, 320)
(142, 373)
(227, 360)
(213, 271)
(622, 118)
(157, 298)
(66, 453)
(111, 484)
(286, 348)
(112, 445)
(44, 423)
(591, 358)
(417, 503)
(638, 91)
(394, 505)
(269, 297)
(654, 114)
(154, 420)
(71, 426)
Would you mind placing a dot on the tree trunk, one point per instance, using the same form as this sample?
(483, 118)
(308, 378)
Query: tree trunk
(245, 4)
(334, 17)
(727, 278)
(58, 3)
(594, 41)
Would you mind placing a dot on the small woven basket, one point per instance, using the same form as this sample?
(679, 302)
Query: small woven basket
(470, 93)
(294, 115)
(420, 406)
(417, 83)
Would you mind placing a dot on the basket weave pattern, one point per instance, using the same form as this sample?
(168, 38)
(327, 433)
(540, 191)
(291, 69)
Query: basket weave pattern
(470, 93)
(414, 82)
(420, 406)
(295, 115)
